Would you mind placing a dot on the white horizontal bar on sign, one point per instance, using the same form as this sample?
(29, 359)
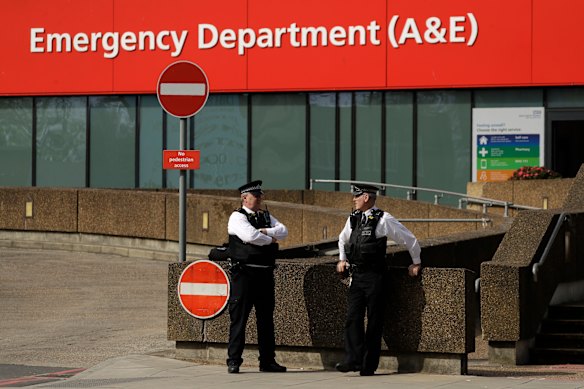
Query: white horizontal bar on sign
(199, 289)
(182, 89)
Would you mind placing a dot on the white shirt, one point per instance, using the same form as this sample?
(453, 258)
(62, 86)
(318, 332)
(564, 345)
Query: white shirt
(387, 226)
(241, 227)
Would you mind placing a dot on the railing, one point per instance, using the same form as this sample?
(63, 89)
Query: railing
(463, 198)
(484, 221)
(563, 218)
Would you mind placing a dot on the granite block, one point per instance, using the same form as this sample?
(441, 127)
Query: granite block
(432, 313)
(181, 325)
(500, 309)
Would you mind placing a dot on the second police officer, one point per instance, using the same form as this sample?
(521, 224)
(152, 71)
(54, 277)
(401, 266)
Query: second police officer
(362, 248)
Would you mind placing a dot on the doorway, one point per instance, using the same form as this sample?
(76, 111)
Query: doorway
(565, 142)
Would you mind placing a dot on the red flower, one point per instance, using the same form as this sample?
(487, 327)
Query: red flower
(533, 172)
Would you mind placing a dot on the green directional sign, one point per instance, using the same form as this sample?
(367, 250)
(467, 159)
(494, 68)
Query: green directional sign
(507, 152)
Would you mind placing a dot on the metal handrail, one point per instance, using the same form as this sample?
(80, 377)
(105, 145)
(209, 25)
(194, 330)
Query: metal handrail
(486, 202)
(535, 269)
(484, 221)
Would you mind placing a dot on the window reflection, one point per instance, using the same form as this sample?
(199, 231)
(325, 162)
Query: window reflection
(16, 141)
(113, 134)
(60, 141)
(278, 154)
(221, 135)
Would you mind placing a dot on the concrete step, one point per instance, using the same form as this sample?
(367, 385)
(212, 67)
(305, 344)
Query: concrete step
(561, 337)
(562, 326)
(548, 356)
(560, 341)
(573, 311)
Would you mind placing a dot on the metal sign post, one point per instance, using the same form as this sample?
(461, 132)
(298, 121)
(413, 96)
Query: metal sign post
(182, 91)
(182, 198)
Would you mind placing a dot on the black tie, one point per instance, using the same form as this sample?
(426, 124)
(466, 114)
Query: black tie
(363, 219)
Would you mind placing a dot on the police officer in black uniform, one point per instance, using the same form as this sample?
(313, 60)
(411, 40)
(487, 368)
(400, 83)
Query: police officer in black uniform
(253, 237)
(362, 248)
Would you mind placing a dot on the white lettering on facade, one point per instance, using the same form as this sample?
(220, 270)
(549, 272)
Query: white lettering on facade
(453, 30)
(110, 42)
(243, 39)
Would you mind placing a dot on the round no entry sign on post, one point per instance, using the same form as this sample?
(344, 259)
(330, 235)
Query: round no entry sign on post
(182, 89)
(203, 289)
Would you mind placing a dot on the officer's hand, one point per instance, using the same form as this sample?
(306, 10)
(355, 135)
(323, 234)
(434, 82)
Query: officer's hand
(342, 266)
(264, 231)
(414, 269)
(274, 240)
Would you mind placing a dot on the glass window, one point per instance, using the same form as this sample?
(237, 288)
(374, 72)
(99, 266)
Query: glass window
(444, 142)
(278, 154)
(173, 143)
(221, 136)
(495, 98)
(322, 138)
(368, 136)
(112, 141)
(345, 141)
(399, 108)
(16, 141)
(60, 144)
(150, 142)
(572, 97)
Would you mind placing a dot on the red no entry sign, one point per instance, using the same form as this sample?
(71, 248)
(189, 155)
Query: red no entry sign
(182, 89)
(203, 289)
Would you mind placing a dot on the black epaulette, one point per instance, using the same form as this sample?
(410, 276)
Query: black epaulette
(355, 218)
(265, 215)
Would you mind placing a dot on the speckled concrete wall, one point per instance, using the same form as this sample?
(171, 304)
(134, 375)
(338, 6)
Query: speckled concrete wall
(433, 313)
(154, 214)
(575, 197)
(122, 212)
(52, 209)
(522, 192)
(513, 302)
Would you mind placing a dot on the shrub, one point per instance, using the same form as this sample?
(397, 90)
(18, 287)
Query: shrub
(534, 173)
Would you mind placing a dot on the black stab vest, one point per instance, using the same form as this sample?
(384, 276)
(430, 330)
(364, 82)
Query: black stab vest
(363, 248)
(247, 253)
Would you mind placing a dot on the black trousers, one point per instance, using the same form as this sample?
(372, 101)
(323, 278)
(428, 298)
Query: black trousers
(252, 287)
(367, 293)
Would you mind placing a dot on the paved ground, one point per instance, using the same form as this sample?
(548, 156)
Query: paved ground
(74, 310)
(63, 312)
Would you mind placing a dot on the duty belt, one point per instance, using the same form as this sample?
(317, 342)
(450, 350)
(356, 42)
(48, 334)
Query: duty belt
(234, 265)
(364, 268)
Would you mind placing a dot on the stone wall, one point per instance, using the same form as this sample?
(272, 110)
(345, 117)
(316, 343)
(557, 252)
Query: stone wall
(310, 216)
(430, 325)
(549, 194)
(430, 318)
(513, 301)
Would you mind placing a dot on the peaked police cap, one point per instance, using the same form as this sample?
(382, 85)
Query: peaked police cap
(254, 186)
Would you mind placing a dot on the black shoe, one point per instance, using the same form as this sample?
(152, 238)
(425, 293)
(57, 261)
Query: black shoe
(366, 372)
(346, 367)
(272, 367)
(232, 367)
